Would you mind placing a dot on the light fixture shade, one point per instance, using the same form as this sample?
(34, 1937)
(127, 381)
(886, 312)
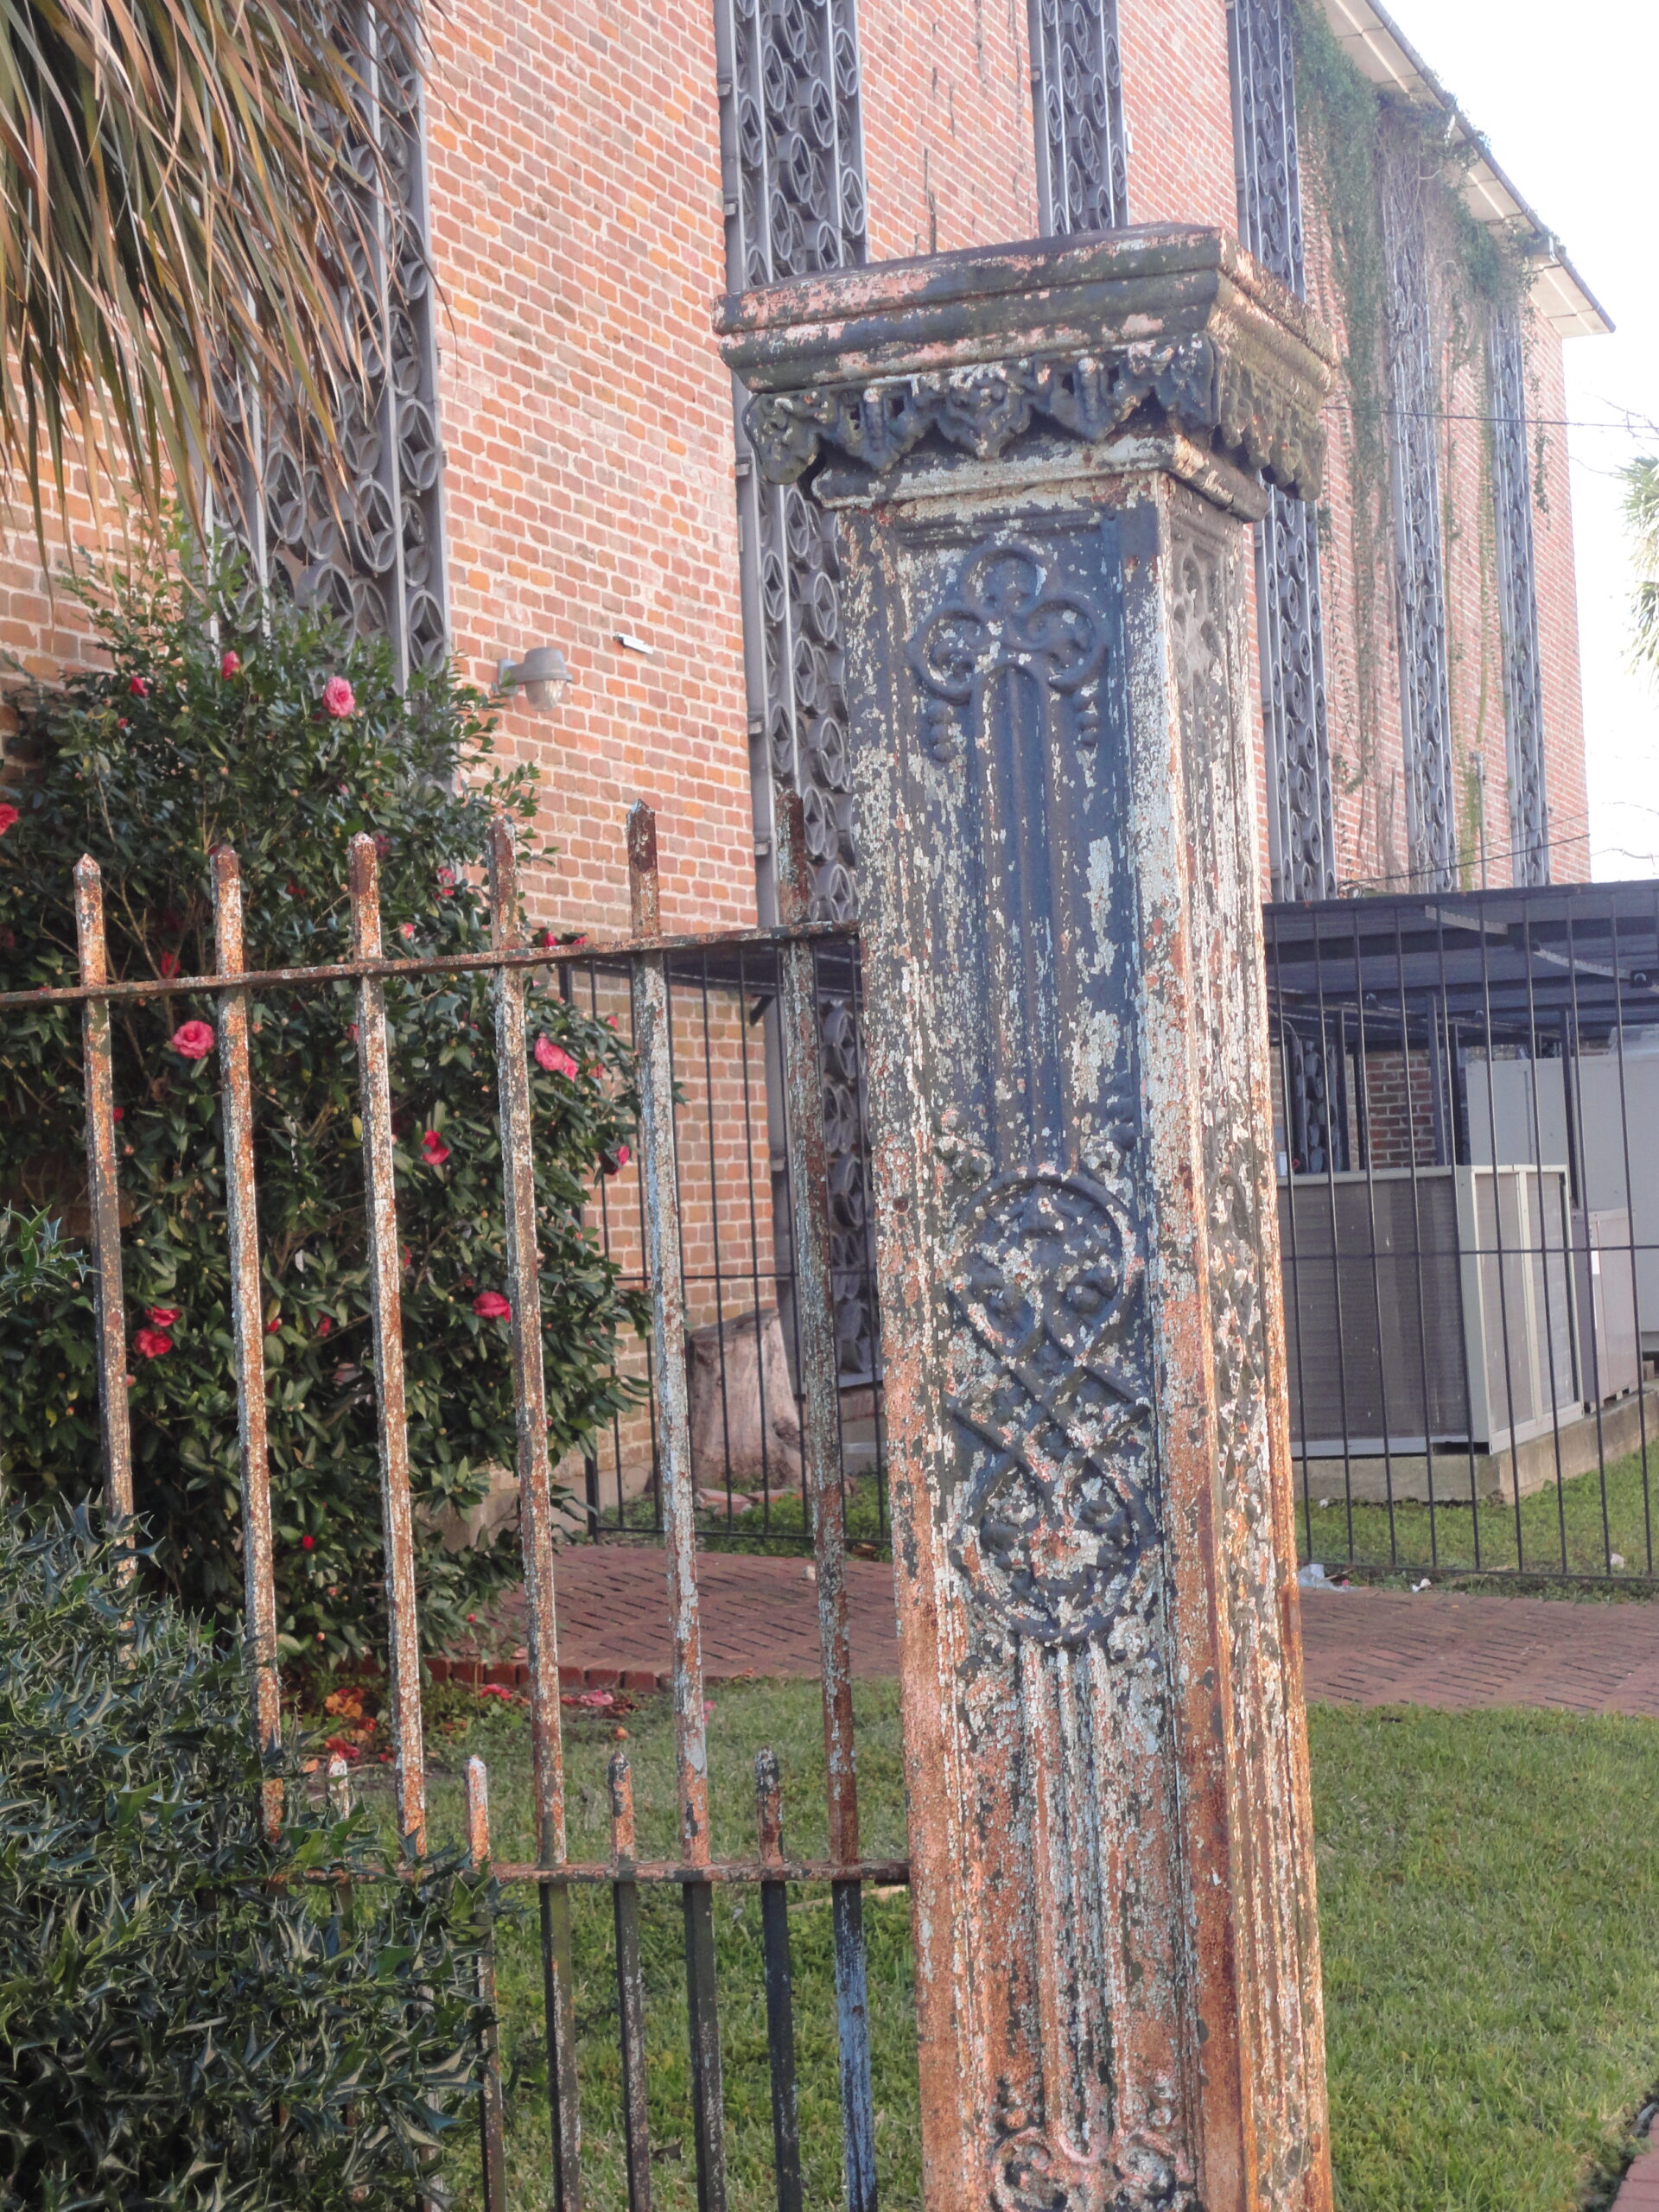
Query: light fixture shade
(542, 676)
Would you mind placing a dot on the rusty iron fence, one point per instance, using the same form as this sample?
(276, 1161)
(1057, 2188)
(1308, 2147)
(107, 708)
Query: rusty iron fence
(1466, 1090)
(778, 977)
(725, 1008)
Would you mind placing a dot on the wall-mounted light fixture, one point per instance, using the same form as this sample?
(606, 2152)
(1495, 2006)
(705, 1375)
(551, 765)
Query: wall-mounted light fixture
(542, 676)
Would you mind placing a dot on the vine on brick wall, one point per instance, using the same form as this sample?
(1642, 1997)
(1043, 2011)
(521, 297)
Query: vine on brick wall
(1477, 271)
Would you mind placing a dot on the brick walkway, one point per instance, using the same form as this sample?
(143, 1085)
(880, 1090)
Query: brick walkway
(1372, 1647)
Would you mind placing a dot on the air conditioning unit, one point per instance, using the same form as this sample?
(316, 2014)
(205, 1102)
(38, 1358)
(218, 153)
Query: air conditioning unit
(1429, 1309)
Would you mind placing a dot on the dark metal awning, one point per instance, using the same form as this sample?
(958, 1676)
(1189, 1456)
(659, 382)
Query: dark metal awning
(1526, 966)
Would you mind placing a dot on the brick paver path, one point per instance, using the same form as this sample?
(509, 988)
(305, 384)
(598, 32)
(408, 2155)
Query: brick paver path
(1372, 1647)
(1639, 2191)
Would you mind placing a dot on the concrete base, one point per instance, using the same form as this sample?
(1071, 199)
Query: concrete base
(1576, 1449)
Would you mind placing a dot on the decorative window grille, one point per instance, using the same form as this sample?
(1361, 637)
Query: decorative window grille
(1420, 561)
(793, 160)
(1523, 705)
(370, 551)
(1301, 825)
(1076, 87)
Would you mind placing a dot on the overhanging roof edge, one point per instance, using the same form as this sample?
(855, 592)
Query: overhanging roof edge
(1381, 52)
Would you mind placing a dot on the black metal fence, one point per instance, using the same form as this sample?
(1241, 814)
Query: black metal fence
(1466, 1123)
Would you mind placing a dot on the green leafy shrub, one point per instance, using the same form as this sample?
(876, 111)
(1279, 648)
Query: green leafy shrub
(225, 718)
(187, 2021)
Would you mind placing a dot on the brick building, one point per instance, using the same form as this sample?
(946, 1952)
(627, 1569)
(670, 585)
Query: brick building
(591, 180)
(558, 461)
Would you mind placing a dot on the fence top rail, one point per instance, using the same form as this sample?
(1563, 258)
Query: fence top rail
(621, 950)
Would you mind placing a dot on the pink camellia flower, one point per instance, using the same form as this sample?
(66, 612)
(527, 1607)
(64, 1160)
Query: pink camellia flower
(152, 1343)
(434, 1150)
(490, 1305)
(308, 1543)
(8, 816)
(273, 1325)
(325, 1327)
(554, 1058)
(338, 698)
(446, 883)
(193, 1040)
(614, 1162)
(139, 687)
(407, 930)
(168, 964)
(623, 1155)
(119, 1114)
(230, 664)
(162, 1317)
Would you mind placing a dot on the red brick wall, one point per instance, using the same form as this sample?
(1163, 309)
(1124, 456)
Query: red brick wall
(576, 230)
(1558, 613)
(1177, 108)
(948, 148)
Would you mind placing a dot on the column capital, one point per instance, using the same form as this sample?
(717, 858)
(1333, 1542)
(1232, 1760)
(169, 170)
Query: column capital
(1166, 348)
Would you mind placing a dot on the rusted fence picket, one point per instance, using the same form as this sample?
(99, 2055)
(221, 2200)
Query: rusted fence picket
(663, 979)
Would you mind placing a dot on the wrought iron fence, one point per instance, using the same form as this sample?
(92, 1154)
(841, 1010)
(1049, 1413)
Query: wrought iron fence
(694, 1005)
(725, 1007)
(1466, 1089)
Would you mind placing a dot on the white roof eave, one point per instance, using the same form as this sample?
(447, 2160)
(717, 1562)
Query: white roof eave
(1382, 52)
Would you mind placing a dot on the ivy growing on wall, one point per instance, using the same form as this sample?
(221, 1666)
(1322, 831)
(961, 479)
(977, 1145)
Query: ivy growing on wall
(1476, 272)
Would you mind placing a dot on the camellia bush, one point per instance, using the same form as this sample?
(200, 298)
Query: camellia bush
(227, 718)
(191, 2020)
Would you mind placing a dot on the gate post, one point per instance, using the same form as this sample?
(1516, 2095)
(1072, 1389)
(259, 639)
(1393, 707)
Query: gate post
(1045, 459)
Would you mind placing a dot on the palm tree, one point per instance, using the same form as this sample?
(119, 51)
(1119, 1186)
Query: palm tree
(183, 204)
(1641, 513)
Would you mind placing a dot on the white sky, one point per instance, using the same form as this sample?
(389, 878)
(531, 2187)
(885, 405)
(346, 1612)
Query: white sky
(1565, 100)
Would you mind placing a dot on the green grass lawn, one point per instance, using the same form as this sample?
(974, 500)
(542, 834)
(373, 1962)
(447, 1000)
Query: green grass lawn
(1562, 1529)
(1489, 1900)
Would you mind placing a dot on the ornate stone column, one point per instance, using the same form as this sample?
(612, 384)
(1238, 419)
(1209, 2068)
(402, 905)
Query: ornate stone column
(1043, 459)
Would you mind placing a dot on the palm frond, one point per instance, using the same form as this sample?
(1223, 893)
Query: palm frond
(186, 215)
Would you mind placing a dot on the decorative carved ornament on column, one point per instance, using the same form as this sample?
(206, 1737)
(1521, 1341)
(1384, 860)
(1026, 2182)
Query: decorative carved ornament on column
(371, 552)
(1077, 103)
(1518, 581)
(1300, 823)
(1043, 459)
(1420, 553)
